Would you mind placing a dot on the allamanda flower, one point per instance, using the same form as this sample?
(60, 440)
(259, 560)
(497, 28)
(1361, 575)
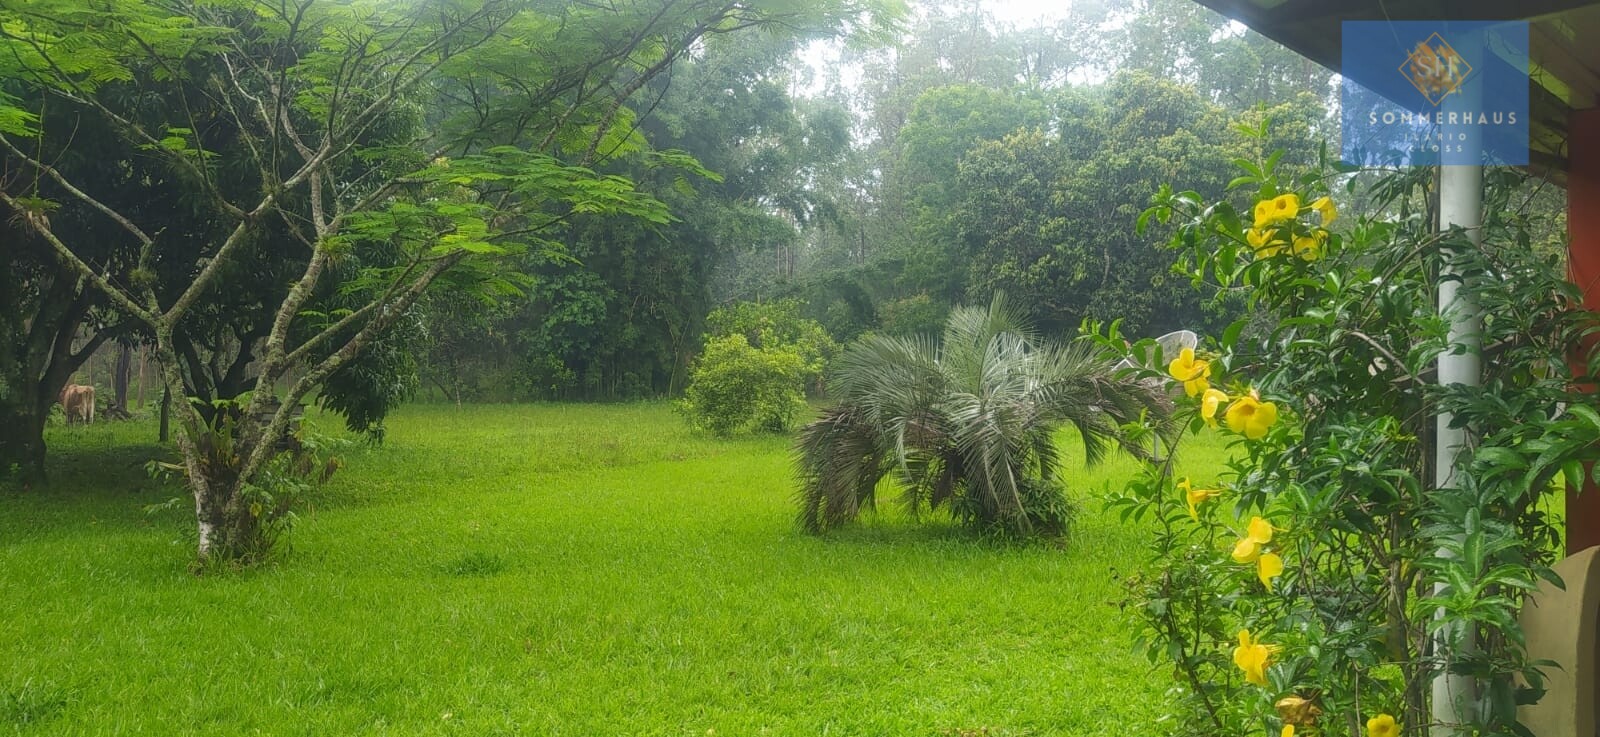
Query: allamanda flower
(1265, 243)
(1253, 657)
(1309, 247)
(1195, 497)
(1288, 731)
(1246, 550)
(1324, 207)
(1276, 210)
(1210, 401)
(1296, 709)
(1192, 371)
(1251, 417)
(1268, 567)
(1383, 725)
(1257, 534)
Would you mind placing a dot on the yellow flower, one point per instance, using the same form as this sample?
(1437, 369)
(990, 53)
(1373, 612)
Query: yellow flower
(1253, 658)
(1250, 417)
(1191, 371)
(1382, 725)
(1257, 534)
(1259, 530)
(1210, 401)
(1276, 210)
(1246, 550)
(1268, 567)
(1265, 243)
(1263, 211)
(1288, 731)
(1324, 206)
(1309, 247)
(1297, 710)
(1195, 497)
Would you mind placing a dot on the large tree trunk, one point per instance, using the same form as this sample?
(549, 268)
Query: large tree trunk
(233, 524)
(21, 428)
(36, 361)
(205, 460)
(22, 447)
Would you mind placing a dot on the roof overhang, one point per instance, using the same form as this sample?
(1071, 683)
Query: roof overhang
(1563, 37)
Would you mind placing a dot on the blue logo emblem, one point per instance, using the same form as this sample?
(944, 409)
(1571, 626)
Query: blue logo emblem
(1423, 93)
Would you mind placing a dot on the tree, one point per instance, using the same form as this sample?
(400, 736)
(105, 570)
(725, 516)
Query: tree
(44, 308)
(1045, 216)
(619, 315)
(967, 422)
(1121, 92)
(736, 386)
(947, 124)
(41, 311)
(539, 94)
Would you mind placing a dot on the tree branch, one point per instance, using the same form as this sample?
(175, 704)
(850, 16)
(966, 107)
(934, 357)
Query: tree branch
(42, 226)
(386, 317)
(209, 272)
(50, 171)
(304, 349)
(69, 89)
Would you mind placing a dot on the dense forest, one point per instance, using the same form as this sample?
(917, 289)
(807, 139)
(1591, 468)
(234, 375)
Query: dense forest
(865, 166)
(880, 184)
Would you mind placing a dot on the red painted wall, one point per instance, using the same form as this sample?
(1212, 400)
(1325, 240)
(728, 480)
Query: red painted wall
(1583, 224)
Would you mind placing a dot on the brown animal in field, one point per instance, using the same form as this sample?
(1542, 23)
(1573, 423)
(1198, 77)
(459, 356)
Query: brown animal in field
(77, 401)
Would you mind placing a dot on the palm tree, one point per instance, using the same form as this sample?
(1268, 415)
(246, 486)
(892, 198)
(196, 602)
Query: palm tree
(967, 422)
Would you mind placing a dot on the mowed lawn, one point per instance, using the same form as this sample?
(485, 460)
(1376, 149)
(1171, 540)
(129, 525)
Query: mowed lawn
(558, 570)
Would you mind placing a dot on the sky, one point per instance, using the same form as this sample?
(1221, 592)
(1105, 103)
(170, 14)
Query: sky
(824, 55)
(1026, 12)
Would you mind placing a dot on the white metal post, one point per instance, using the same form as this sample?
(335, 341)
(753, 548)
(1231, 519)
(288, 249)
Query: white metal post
(1460, 205)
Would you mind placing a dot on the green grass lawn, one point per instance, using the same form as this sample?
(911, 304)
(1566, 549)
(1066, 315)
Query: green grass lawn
(557, 570)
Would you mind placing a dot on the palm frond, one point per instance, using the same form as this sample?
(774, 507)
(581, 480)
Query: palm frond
(840, 460)
(968, 332)
(968, 422)
(1081, 387)
(986, 435)
(895, 384)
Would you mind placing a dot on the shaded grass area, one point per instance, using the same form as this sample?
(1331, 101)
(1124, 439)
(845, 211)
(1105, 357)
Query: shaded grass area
(557, 570)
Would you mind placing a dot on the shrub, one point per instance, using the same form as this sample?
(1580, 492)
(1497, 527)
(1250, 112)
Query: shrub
(967, 423)
(778, 325)
(736, 387)
(1327, 579)
(913, 315)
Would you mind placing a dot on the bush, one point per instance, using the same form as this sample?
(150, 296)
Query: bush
(1044, 502)
(778, 325)
(1327, 577)
(914, 315)
(736, 387)
(967, 422)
